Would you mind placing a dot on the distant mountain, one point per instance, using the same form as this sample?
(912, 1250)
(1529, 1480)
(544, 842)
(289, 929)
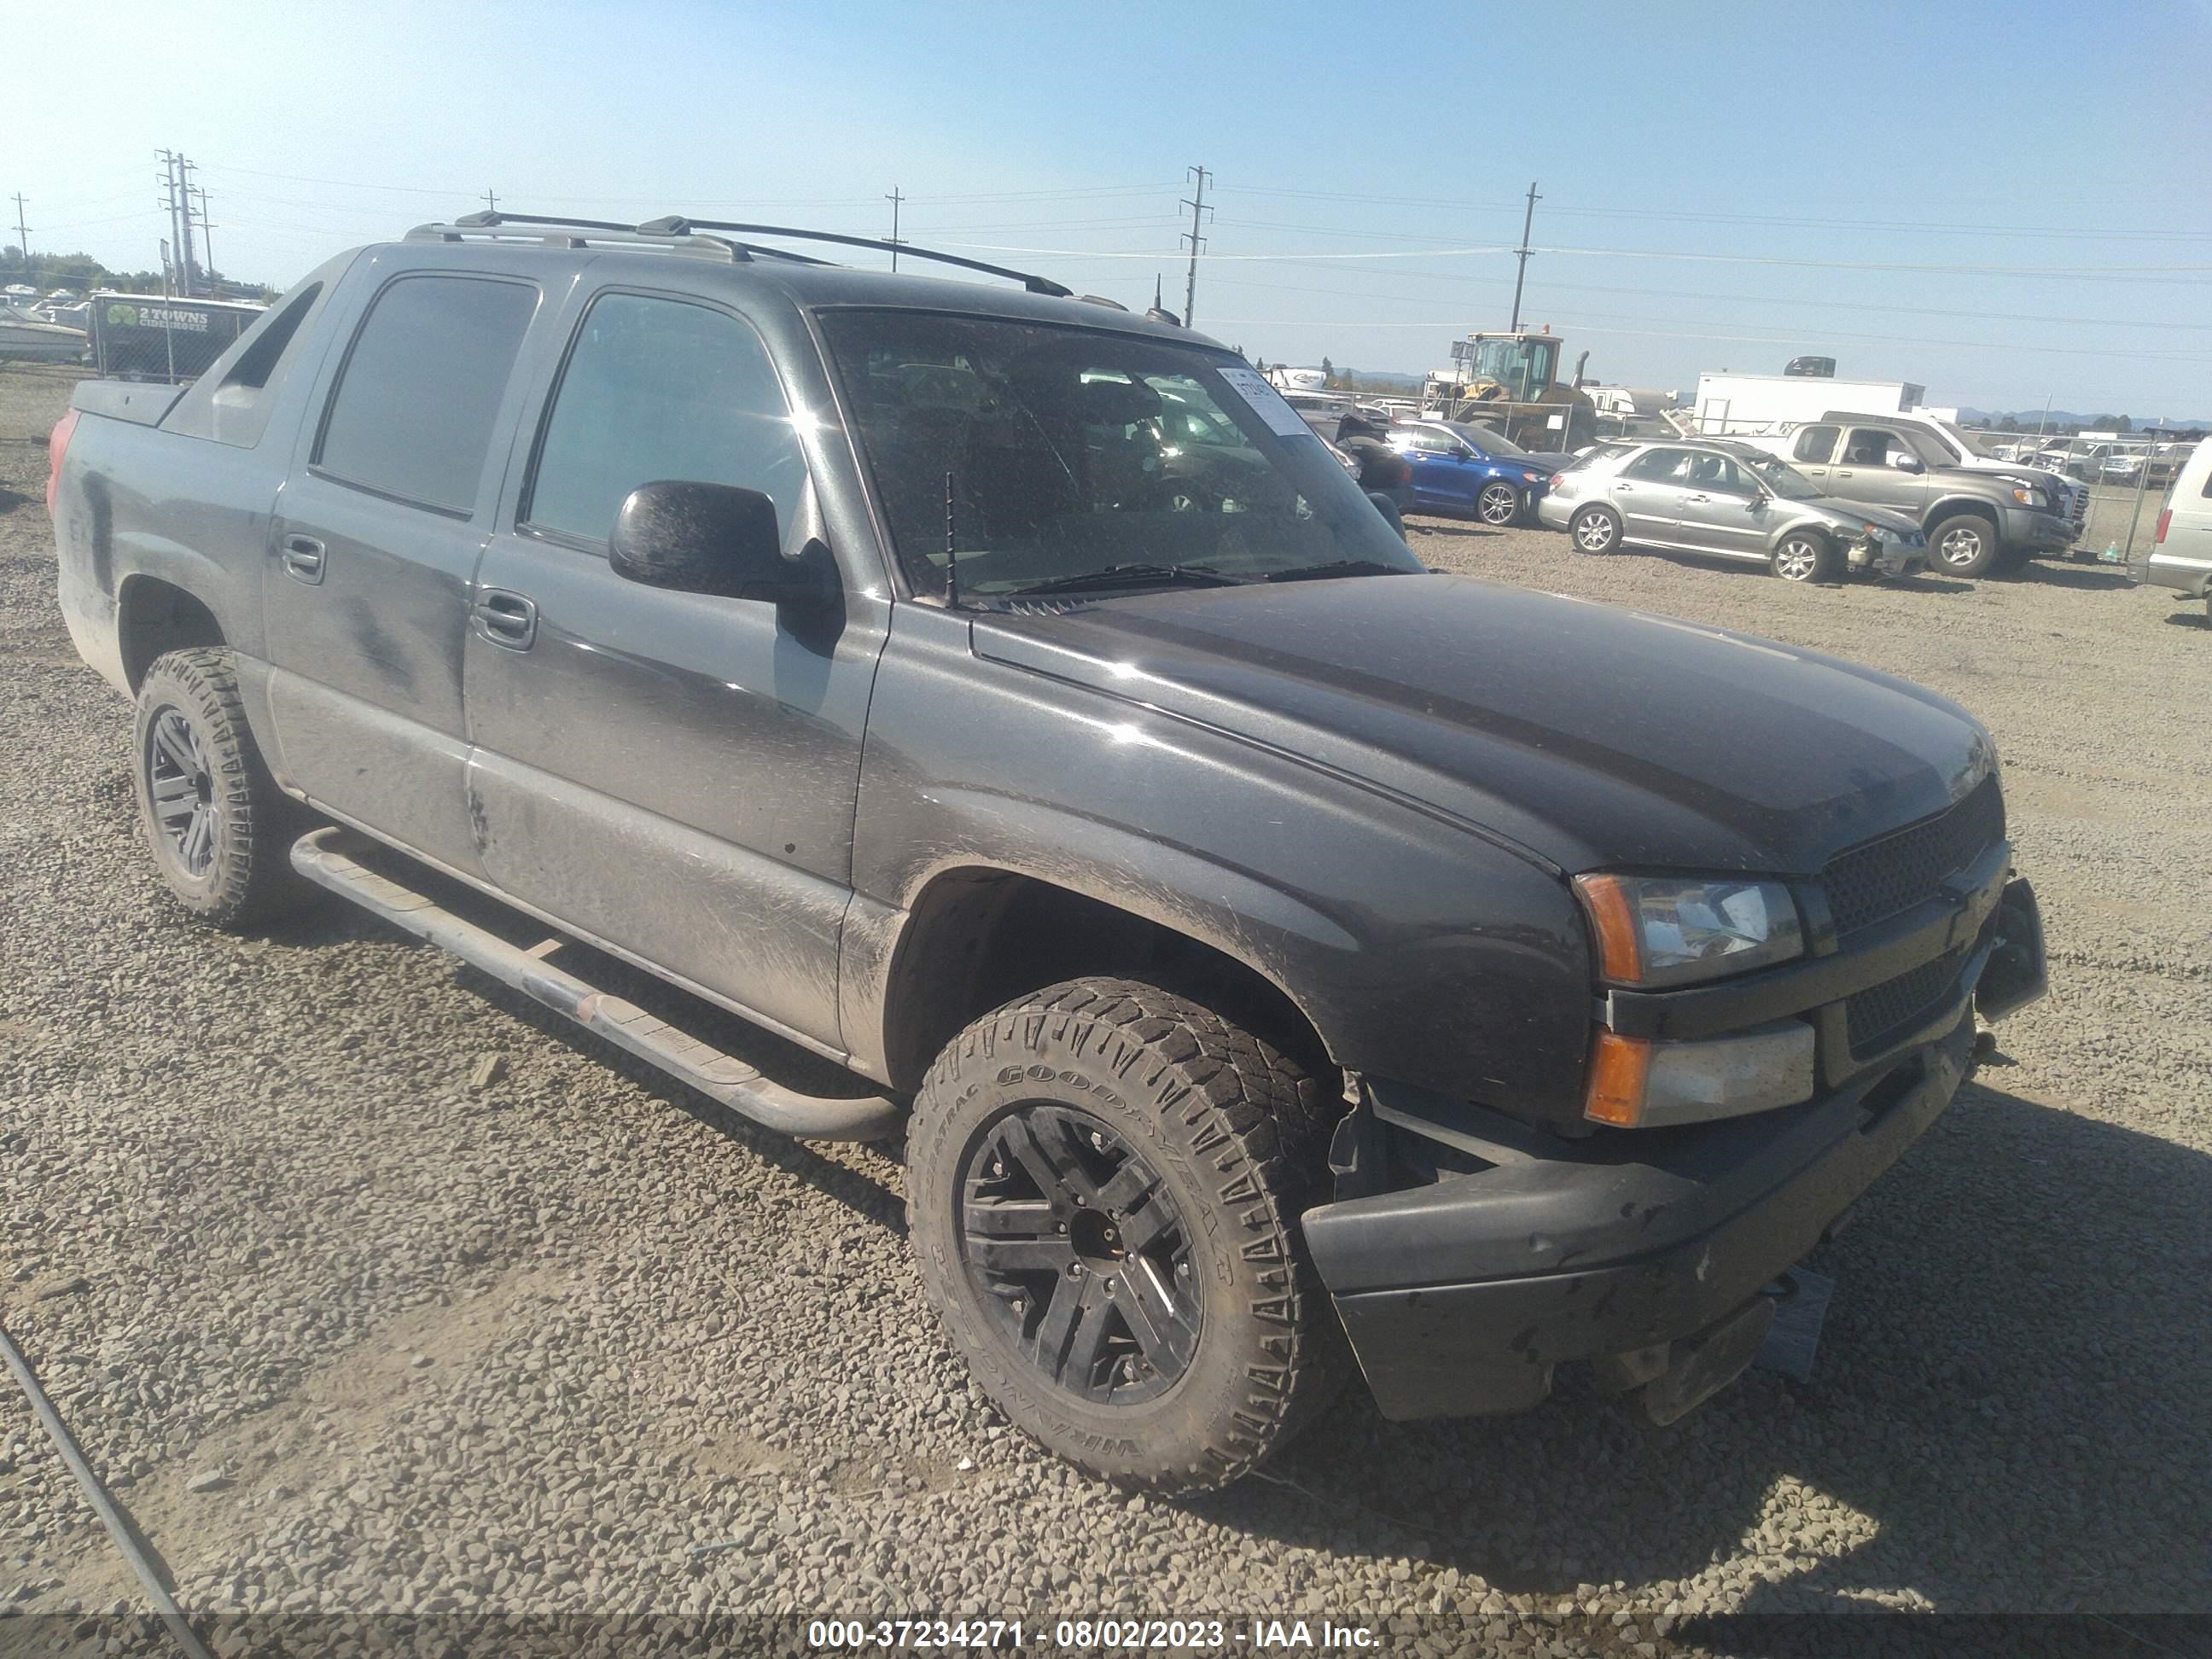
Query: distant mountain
(2030, 418)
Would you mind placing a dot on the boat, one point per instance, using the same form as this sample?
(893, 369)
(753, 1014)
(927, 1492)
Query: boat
(25, 338)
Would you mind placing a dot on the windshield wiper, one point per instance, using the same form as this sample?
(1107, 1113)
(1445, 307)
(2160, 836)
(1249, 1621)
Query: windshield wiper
(1131, 575)
(1303, 573)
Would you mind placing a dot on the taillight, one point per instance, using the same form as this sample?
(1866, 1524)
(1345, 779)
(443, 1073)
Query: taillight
(2165, 518)
(1556, 477)
(57, 448)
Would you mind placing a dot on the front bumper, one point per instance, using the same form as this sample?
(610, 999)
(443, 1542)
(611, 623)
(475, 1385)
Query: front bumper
(2037, 532)
(1642, 1251)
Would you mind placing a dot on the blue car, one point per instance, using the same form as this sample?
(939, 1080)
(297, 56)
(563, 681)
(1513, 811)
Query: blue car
(1462, 467)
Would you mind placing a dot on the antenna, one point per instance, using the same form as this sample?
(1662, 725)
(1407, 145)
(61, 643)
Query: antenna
(951, 550)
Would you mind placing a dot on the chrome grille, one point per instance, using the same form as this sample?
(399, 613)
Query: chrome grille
(1885, 878)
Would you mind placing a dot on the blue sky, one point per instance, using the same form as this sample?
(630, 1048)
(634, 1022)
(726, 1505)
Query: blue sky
(2003, 202)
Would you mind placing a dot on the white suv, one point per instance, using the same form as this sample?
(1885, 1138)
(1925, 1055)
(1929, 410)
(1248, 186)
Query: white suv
(2182, 556)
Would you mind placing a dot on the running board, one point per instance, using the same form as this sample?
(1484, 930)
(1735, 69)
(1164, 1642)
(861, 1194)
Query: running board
(721, 1077)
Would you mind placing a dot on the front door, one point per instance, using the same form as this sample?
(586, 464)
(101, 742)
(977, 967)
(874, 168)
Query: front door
(1722, 510)
(1880, 466)
(673, 772)
(374, 537)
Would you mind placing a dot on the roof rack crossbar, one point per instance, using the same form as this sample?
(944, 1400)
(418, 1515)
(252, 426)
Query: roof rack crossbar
(561, 230)
(677, 224)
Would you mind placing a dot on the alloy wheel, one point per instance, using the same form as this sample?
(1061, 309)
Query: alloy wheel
(1079, 1254)
(180, 782)
(1594, 533)
(1961, 546)
(1796, 561)
(1499, 504)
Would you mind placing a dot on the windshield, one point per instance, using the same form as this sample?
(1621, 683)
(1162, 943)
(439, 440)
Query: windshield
(1034, 453)
(1487, 440)
(1783, 479)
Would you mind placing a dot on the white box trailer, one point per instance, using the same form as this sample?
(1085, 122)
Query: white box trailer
(1759, 402)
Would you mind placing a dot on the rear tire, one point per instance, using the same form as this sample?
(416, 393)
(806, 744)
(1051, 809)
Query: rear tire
(1594, 530)
(1964, 545)
(219, 828)
(1103, 1190)
(1804, 556)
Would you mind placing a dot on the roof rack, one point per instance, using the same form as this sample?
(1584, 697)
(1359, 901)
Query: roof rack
(678, 225)
(679, 234)
(564, 232)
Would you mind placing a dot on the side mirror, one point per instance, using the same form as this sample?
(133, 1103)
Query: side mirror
(1905, 462)
(1462, 452)
(713, 538)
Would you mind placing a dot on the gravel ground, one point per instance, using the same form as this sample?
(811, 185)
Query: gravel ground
(349, 1332)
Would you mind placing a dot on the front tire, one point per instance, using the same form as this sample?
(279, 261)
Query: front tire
(1594, 530)
(1964, 545)
(1805, 556)
(1498, 504)
(1103, 1190)
(219, 828)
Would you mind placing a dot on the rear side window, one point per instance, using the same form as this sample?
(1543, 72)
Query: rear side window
(1815, 444)
(1658, 465)
(413, 411)
(659, 388)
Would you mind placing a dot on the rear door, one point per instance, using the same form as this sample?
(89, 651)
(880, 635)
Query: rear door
(1869, 468)
(673, 772)
(1812, 450)
(1648, 491)
(374, 538)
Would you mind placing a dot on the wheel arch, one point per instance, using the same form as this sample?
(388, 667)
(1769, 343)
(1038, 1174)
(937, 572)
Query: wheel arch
(1953, 507)
(977, 936)
(154, 616)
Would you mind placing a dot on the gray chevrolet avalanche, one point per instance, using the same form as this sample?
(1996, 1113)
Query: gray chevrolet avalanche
(1273, 956)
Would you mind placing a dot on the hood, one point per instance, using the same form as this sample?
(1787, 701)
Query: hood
(1548, 462)
(1888, 518)
(1588, 735)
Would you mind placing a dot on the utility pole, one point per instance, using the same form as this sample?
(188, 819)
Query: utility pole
(895, 198)
(207, 241)
(22, 237)
(491, 200)
(1521, 275)
(188, 261)
(168, 160)
(1196, 203)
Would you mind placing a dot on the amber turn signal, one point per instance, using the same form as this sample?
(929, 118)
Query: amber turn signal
(1619, 1072)
(1613, 915)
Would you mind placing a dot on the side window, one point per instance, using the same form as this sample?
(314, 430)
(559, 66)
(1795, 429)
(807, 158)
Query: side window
(655, 389)
(412, 414)
(1657, 465)
(1433, 440)
(1718, 472)
(1871, 445)
(1815, 444)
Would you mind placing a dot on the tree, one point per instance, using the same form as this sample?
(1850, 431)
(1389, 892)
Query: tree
(1327, 370)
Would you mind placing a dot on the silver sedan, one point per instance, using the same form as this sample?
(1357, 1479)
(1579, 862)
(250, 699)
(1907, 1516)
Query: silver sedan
(1706, 495)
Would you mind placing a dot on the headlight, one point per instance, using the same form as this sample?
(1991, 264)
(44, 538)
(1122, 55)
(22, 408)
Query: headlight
(1531, 477)
(1658, 930)
(2031, 498)
(1876, 533)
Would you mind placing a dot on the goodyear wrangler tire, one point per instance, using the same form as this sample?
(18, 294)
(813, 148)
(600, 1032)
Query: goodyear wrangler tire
(1103, 1188)
(219, 828)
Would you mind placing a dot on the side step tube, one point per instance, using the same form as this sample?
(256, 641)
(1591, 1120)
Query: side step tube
(742, 1088)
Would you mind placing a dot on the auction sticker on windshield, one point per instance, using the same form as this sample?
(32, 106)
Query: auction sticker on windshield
(1267, 403)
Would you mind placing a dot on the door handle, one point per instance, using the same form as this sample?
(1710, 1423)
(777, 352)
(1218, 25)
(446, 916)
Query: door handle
(506, 618)
(1624, 489)
(1698, 498)
(303, 559)
(1845, 472)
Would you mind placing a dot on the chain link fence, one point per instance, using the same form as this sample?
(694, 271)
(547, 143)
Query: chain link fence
(150, 337)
